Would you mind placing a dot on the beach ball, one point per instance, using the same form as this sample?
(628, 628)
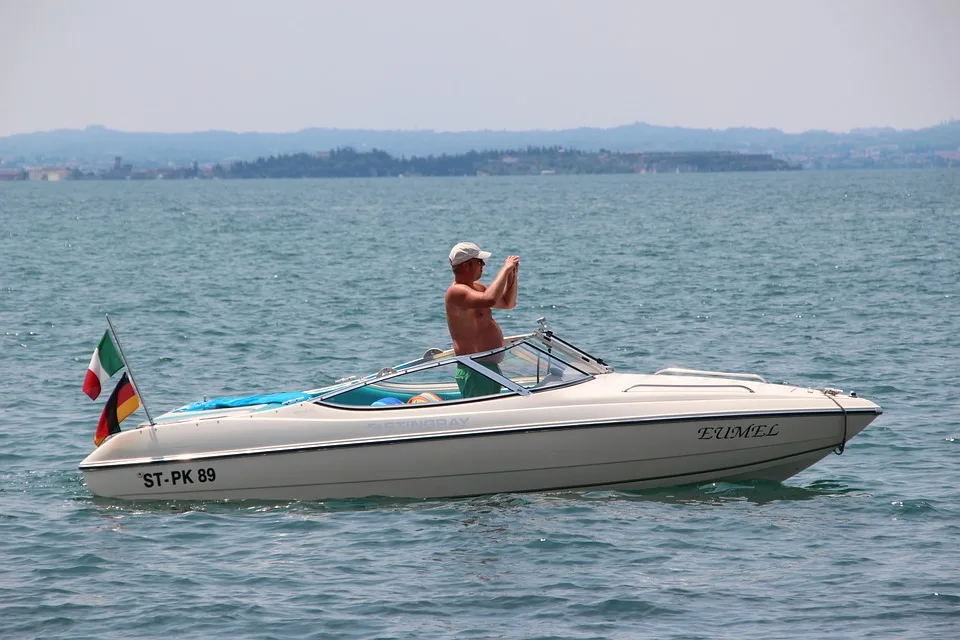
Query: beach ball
(425, 397)
(386, 402)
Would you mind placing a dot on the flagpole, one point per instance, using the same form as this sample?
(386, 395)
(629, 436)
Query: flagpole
(113, 332)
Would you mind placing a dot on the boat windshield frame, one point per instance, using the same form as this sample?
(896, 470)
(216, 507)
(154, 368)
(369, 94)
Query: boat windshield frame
(540, 342)
(582, 358)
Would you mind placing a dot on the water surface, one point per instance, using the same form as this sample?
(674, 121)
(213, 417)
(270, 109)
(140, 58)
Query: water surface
(839, 279)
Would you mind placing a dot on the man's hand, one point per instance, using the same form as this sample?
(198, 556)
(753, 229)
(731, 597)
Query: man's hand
(512, 263)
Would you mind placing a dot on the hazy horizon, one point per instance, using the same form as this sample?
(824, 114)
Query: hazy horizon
(244, 66)
(428, 130)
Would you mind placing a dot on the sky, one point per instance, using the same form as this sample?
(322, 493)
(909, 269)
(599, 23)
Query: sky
(458, 65)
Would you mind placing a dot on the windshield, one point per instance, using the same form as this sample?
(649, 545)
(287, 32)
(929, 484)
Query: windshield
(532, 367)
(519, 368)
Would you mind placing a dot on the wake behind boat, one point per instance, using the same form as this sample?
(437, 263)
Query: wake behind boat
(562, 420)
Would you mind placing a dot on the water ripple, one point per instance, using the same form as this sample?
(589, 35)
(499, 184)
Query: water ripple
(823, 279)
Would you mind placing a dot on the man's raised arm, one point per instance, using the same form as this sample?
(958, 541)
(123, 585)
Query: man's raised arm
(509, 298)
(468, 297)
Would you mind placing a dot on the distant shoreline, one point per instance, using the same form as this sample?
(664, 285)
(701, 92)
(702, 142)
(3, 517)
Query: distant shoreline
(350, 163)
(94, 149)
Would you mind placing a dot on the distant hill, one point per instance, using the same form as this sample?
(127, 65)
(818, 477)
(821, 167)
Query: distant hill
(98, 145)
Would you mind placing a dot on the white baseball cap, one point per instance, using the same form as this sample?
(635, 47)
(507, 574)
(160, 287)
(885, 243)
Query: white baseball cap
(463, 251)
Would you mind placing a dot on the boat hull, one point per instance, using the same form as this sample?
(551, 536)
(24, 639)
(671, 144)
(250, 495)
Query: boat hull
(623, 454)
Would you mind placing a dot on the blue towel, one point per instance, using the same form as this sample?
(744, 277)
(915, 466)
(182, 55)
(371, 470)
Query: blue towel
(247, 401)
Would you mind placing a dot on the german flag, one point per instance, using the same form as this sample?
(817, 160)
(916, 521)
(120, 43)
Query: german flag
(123, 401)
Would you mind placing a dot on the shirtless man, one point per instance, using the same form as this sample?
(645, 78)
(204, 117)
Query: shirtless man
(468, 304)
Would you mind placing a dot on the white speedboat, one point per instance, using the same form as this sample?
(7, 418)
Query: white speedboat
(553, 418)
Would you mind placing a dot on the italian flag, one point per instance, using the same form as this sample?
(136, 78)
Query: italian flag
(105, 362)
(123, 401)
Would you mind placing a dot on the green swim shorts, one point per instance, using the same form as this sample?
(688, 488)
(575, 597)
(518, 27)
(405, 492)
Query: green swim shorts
(474, 384)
